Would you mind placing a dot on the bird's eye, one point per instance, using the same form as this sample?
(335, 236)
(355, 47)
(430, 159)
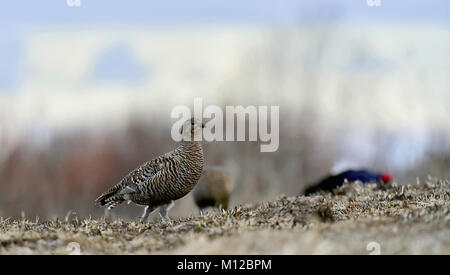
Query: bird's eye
(192, 123)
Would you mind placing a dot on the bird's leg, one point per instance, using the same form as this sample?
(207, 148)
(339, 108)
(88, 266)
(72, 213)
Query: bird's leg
(107, 214)
(148, 209)
(164, 211)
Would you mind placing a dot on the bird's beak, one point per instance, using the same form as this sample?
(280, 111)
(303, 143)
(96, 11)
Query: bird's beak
(203, 125)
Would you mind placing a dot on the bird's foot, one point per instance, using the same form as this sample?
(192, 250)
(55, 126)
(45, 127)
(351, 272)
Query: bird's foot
(165, 219)
(164, 212)
(167, 222)
(143, 227)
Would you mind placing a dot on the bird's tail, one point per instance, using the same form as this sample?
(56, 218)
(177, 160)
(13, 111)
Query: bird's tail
(111, 198)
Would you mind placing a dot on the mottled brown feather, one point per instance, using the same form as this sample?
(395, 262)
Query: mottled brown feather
(159, 181)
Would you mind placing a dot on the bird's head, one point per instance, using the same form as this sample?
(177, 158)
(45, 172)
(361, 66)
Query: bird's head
(386, 177)
(191, 128)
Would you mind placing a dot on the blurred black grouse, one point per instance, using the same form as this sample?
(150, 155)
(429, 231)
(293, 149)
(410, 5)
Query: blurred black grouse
(333, 181)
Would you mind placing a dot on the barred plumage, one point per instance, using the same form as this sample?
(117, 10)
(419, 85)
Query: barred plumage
(159, 182)
(214, 188)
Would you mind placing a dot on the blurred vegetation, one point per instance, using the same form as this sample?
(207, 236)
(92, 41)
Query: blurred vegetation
(76, 168)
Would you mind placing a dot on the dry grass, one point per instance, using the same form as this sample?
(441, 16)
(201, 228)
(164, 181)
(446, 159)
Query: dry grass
(407, 219)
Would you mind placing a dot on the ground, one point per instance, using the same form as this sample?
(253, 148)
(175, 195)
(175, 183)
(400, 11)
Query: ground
(407, 219)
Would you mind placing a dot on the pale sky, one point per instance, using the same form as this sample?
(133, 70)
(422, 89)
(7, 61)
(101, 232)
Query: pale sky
(144, 12)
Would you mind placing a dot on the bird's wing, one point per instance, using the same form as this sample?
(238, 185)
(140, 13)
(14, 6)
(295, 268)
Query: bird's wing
(148, 170)
(141, 175)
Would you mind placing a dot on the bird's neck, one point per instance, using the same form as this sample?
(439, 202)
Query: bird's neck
(190, 147)
(193, 157)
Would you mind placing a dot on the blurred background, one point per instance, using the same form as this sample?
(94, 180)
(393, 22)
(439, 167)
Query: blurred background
(86, 92)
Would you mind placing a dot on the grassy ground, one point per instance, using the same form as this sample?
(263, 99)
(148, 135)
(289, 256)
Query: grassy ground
(409, 219)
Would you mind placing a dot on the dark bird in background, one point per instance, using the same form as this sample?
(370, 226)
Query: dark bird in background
(333, 181)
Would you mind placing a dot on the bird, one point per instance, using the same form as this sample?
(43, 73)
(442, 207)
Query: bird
(164, 179)
(332, 181)
(213, 189)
